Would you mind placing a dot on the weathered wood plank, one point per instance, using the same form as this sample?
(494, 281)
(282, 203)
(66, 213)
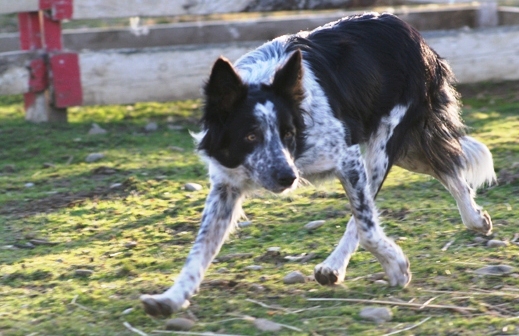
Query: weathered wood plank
(17, 6)
(121, 77)
(128, 76)
(94, 9)
(89, 9)
(449, 17)
(490, 54)
(14, 72)
(508, 16)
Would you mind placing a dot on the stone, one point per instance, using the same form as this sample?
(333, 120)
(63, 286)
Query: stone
(274, 249)
(130, 244)
(179, 324)
(266, 325)
(294, 278)
(495, 270)
(313, 225)
(192, 187)
(244, 224)
(176, 149)
(380, 282)
(96, 130)
(29, 185)
(480, 240)
(9, 168)
(83, 272)
(376, 314)
(257, 288)
(93, 157)
(151, 127)
(175, 127)
(254, 268)
(496, 243)
(376, 276)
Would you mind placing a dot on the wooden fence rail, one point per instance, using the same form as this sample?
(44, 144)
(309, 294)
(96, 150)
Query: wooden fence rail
(170, 62)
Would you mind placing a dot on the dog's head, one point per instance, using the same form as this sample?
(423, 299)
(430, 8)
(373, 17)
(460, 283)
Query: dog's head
(255, 126)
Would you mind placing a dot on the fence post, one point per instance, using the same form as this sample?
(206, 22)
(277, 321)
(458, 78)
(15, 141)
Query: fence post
(55, 78)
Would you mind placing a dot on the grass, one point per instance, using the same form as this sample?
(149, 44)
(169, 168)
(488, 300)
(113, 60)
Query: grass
(91, 211)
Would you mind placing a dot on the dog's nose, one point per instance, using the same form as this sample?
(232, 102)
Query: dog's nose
(285, 178)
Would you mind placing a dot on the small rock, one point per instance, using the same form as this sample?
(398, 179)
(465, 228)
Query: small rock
(376, 314)
(266, 325)
(233, 256)
(494, 270)
(263, 278)
(308, 257)
(42, 242)
(127, 311)
(29, 185)
(380, 282)
(496, 243)
(314, 225)
(130, 244)
(257, 288)
(176, 148)
(376, 276)
(96, 129)
(480, 240)
(83, 272)
(115, 185)
(93, 157)
(24, 245)
(294, 278)
(244, 224)
(192, 187)
(151, 127)
(179, 324)
(222, 270)
(175, 127)
(274, 249)
(9, 168)
(48, 165)
(254, 268)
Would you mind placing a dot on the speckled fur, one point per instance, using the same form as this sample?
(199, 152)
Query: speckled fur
(330, 144)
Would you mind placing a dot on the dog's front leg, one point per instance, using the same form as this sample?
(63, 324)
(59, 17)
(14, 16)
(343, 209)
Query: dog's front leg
(353, 176)
(222, 209)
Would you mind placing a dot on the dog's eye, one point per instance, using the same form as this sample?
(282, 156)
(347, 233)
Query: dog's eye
(251, 137)
(288, 135)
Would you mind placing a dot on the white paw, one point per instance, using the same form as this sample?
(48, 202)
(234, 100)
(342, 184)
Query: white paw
(161, 305)
(395, 264)
(326, 275)
(481, 222)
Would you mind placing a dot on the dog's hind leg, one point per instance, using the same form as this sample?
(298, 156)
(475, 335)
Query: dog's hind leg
(378, 164)
(352, 174)
(333, 269)
(477, 169)
(222, 209)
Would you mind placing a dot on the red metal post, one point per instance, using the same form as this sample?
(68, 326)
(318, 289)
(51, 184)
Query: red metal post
(42, 31)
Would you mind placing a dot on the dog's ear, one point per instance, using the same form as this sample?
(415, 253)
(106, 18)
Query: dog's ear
(288, 80)
(224, 88)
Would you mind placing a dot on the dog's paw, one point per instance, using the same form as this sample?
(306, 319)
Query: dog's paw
(160, 305)
(327, 276)
(481, 223)
(397, 267)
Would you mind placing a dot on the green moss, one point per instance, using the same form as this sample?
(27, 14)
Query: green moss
(72, 204)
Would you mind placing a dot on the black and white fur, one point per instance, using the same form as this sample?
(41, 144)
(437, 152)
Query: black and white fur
(349, 99)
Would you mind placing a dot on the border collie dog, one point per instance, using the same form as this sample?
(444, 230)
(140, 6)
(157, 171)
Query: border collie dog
(349, 99)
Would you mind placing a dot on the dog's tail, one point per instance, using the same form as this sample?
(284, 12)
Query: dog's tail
(478, 166)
